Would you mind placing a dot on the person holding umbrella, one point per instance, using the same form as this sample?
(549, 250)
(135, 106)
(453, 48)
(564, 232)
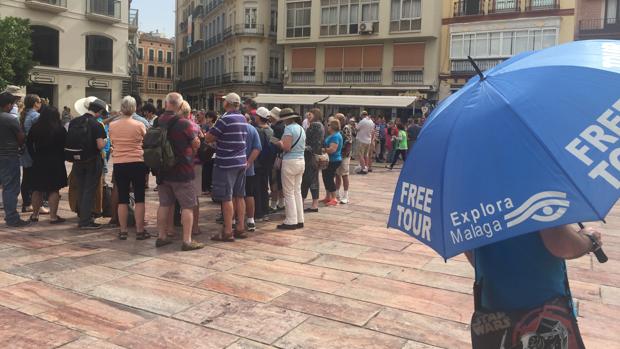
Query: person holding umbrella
(503, 169)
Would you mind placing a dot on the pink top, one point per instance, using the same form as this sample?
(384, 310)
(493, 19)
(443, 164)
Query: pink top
(126, 135)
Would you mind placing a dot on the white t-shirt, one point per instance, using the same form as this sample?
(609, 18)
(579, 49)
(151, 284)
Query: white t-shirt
(365, 129)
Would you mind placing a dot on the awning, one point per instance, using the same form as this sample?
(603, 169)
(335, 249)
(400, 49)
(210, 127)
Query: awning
(288, 99)
(370, 101)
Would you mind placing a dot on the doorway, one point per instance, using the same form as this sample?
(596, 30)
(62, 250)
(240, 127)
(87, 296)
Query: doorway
(44, 91)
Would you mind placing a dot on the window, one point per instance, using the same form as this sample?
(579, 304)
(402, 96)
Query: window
(140, 53)
(168, 73)
(273, 21)
(250, 18)
(151, 71)
(298, 19)
(169, 57)
(370, 10)
(249, 67)
(44, 45)
(613, 11)
(406, 15)
(102, 93)
(274, 67)
(160, 72)
(160, 56)
(99, 53)
(151, 55)
(490, 48)
(140, 69)
(343, 17)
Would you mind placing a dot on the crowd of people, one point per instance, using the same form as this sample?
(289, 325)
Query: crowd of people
(251, 160)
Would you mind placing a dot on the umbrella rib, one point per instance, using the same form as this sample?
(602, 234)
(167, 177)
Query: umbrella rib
(547, 150)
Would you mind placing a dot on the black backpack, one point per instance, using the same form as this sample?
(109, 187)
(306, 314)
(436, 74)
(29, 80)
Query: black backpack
(79, 145)
(267, 155)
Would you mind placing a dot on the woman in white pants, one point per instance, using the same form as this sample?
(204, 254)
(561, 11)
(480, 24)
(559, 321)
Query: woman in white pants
(293, 144)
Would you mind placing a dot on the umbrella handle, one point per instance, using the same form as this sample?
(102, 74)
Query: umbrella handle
(600, 255)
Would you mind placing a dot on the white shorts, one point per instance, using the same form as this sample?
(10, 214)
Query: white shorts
(343, 170)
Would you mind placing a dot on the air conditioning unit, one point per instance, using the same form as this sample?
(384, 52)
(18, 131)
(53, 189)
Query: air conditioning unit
(366, 28)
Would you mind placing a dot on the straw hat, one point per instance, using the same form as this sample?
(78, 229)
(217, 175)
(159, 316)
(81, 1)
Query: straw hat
(288, 113)
(81, 106)
(275, 113)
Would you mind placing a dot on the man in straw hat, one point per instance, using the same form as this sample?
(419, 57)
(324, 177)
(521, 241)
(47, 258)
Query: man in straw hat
(19, 94)
(85, 140)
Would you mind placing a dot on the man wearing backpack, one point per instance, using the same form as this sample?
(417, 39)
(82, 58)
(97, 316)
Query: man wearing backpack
(264, 164)
(176, 181)
(85, 140)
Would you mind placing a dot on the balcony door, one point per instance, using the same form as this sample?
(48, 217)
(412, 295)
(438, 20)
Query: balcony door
(249, 68)
(250, 19)
(612, 12)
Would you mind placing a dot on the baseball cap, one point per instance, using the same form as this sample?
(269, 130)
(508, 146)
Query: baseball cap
(263, 113)
(232, 98)
(7, 98)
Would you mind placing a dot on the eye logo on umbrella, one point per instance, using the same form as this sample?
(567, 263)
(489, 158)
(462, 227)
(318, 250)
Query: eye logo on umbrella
(546, 206)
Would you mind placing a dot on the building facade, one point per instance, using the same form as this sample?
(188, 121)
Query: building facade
(155, 67)
(82, 47)
(226, 46)
(360, 47)
(598, 19)
(491, 31)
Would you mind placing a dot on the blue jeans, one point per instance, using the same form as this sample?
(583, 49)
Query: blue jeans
(9, 177)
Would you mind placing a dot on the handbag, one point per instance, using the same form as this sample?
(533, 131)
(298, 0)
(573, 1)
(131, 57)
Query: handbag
(322, 161)
(278, 162)
(205, 151)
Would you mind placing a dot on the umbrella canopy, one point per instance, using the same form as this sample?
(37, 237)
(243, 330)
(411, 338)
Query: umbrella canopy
(532, 145)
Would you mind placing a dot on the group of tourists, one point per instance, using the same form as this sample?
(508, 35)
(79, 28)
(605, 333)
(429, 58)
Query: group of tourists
(251, 160)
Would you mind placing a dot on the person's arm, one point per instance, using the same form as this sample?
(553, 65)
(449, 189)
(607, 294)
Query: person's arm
(286, 143)
(333, 147)
(100, 135)
(569, 243)
(253, 156)
(214, 132)
(101, 142)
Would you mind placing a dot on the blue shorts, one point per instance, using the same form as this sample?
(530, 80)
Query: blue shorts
(228, 183)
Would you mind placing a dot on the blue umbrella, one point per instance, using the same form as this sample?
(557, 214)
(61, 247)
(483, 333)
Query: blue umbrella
(531, 144)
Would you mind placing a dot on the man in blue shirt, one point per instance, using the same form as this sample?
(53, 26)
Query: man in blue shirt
(252, 150)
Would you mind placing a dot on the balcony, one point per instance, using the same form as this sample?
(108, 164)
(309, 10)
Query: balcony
(54, 6)
(600, 28)
(198, 11)
(504, 6)
(538, 5)
(197, 46)
(302, 77)
(468, 8)
(353, 77)
(244, 30)
(212, 5)
(402, 77)
(214, 40)
(133, 20)
(106, 11)
(192, 83)
(464, 67)
(241, 78)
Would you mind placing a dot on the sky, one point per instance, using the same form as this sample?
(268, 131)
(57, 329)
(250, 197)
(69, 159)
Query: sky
(155, 15)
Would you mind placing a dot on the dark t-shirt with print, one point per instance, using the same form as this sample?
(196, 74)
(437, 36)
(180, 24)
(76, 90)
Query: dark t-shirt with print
(181, 135)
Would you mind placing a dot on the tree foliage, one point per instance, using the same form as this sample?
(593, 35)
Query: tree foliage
(15, 51)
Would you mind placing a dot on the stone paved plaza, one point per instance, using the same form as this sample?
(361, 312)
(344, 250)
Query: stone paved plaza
(344, 281)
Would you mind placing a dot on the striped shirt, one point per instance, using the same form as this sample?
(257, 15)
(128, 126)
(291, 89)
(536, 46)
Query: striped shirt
(231, 133)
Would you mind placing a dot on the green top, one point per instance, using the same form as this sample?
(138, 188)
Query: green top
(402, 140)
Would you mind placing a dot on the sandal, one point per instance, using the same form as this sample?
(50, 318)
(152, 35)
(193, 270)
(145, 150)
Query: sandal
(34, 219)
(58, 220)
(240, 235)
(162, 242)
(222, 238)
(122, 235)
(143, 235)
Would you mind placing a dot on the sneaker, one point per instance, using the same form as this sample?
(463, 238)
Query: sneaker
(344, 200)
(192, 246)
(332, 202)
(251, 227)
(91, 226)
(20, 223)
(44, 210)
(287, 227)
(300, 225)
